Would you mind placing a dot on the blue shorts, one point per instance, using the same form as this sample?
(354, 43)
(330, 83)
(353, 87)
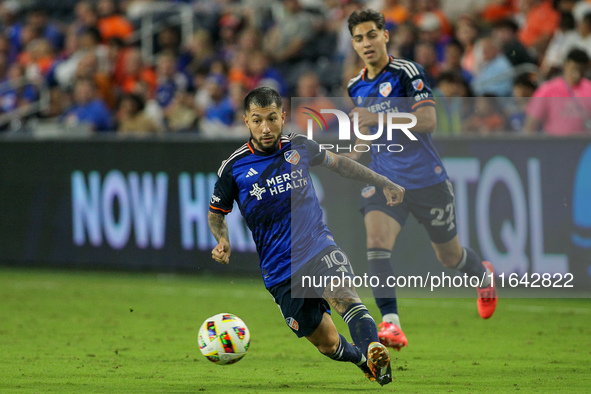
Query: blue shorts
(433, 206)
(300, 300)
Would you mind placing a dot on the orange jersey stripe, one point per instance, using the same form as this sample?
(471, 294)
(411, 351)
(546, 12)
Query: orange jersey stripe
(220, 209)
(423, 102)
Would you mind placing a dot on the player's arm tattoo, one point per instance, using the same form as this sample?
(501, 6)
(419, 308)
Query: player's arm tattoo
(351, 169)
(218, 226)
(341, 298)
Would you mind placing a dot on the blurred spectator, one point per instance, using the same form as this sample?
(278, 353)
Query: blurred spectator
(169, 80)
(111, 23)
(38, 59)
(180, 115)
(554, 56)
(86, 17)
(87, 41)
(88, 110)
(541, 20)
(432, 7)
(219, 109)
(466, 34)
(216, 128)
(498, 10)
(495, 74)
(426, 56)
(452, 61)
(402, 42)
(131, 118)
(200, 50)
(579, 39)
(36, 25)
(431, 31)
(395, 12)
(562, 106)
(135, 71)
(451, 94)
(256, 69)
(229, 26)
(505, 33)
(15, 91)
(310, 89)
(88, 69)
(523, 88)
(487, 117)
(287, 39)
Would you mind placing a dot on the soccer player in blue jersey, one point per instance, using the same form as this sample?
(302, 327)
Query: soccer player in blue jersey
(269, 179)
(418, 168)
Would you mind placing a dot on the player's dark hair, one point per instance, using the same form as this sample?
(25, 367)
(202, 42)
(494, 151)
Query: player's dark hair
(368, 15)
(578, 56)
(262, 97)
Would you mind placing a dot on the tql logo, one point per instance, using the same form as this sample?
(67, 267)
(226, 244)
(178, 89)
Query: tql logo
(344, 122)
(581, 199)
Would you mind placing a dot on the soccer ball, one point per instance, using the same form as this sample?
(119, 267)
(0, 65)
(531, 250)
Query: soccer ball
(223, 338)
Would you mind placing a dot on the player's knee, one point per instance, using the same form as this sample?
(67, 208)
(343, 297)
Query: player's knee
(378, 241)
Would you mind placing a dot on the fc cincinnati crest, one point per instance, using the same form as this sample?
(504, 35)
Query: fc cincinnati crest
(418, 84)
(385, 89)
(292, 156)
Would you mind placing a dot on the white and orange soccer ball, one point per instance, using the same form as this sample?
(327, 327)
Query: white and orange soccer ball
(223, 338)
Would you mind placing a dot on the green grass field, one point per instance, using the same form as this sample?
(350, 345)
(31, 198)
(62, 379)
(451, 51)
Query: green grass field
(85, 332)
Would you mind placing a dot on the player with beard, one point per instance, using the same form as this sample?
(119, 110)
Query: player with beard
(269, 179)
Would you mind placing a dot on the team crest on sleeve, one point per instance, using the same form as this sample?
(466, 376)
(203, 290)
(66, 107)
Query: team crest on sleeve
(418, 84)
(292, 156)
(385, 89)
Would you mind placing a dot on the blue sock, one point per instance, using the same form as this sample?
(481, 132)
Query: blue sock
(471, 264)
(361, 326)
(347, 352)
(379, 264)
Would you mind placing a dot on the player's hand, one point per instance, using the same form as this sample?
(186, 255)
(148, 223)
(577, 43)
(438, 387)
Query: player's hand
(366, 119)
(221, 253)
(394, 194)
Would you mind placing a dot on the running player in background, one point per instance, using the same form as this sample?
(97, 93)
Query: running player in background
(418, 168)
(269, 179)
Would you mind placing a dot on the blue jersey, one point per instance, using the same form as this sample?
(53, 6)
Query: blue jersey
(418, 165)
(276, 197)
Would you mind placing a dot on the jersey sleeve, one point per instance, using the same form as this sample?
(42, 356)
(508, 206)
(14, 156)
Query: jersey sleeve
(416, 86)
(224, 193)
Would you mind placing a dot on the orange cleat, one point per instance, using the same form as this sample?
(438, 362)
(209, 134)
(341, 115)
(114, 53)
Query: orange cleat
(392, 336)
(378, 361)
(487, 296)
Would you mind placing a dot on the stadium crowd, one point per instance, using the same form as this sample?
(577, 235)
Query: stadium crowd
(133, 66)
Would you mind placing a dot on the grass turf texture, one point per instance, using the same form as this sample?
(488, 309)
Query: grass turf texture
(112, 332)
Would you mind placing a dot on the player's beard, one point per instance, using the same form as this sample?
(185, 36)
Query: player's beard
(264, 148)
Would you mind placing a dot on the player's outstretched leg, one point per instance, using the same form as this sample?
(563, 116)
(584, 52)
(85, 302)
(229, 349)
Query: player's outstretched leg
(472, 265)
(390, 333)
(333, 345)
(364, 333)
